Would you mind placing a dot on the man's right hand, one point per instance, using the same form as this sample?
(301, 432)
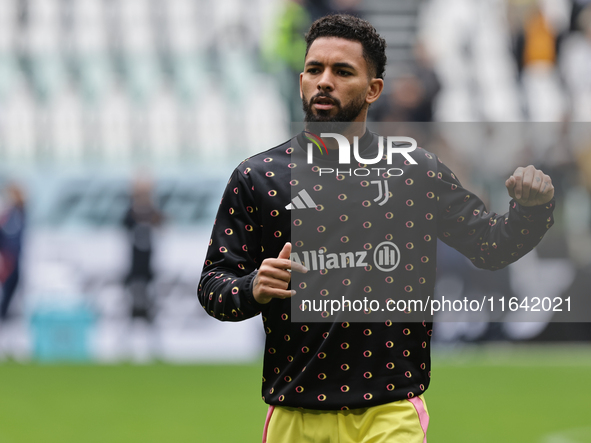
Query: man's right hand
(273, 277)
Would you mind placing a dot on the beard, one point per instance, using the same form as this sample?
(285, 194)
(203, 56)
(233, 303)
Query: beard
(344, 114)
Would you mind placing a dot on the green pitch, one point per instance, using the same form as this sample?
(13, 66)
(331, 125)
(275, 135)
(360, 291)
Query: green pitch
(502, 395)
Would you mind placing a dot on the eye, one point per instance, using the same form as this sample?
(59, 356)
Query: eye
(344, 73)
(312, 71)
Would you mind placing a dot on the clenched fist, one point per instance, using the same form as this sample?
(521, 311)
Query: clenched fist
(530, 186)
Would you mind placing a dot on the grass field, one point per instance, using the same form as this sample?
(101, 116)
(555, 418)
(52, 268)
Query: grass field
(538, 395)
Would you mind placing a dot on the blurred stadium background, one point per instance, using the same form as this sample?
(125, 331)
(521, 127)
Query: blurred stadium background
(105, 101)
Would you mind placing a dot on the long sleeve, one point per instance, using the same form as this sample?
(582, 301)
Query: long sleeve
(491, 241)
(233, 256)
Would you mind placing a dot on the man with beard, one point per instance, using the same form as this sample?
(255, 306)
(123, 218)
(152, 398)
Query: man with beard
(339, 380)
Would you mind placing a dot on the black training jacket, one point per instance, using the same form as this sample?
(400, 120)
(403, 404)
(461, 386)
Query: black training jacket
(340, 364)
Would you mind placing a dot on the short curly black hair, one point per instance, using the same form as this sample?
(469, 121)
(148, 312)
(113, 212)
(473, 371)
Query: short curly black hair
(352, 28)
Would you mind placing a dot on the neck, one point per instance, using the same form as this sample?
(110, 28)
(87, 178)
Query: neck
(350, 131)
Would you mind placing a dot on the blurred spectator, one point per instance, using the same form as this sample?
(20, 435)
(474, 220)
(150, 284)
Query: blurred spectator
(284, 50)
(535, 40)
(538, 32)
(140, 220)
(12, 226)
(577, 7)
(408, 101)
(412, 95)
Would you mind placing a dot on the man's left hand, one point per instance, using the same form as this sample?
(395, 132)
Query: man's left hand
(530, 186)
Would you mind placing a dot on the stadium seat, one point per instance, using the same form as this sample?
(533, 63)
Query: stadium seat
(163, 126)
(115, 126)
(67, 129)
(17, 119)
(9, 72)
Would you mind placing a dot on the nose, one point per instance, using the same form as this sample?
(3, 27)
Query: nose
(325, 82)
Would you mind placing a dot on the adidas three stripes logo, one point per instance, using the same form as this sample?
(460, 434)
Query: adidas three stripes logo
(301, 201)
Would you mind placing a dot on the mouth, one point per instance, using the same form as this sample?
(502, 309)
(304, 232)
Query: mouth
(323, 103)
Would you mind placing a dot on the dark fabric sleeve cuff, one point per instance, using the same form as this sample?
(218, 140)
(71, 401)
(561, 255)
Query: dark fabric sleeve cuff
(535, 211)
(248, 291)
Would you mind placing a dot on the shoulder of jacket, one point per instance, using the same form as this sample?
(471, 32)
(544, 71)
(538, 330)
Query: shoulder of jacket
(258, 160)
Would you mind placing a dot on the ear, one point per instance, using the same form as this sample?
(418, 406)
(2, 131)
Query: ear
(301, 77)
(374, 90)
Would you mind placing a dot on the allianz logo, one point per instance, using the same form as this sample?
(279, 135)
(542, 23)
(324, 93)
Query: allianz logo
(386, 258)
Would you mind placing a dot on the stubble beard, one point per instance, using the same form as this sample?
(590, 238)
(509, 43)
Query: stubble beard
(346, 114)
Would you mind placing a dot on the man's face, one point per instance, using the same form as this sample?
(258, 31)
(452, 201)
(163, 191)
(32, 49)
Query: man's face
(336, 85)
